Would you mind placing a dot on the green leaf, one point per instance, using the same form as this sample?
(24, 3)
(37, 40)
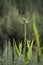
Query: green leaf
(29, 54)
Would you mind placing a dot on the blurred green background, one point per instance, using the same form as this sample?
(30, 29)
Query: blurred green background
(12, 13)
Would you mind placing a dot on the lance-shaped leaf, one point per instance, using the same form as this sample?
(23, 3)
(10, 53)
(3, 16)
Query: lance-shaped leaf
(20, 47)
(29, 54)
(17, 50)
(36, 36)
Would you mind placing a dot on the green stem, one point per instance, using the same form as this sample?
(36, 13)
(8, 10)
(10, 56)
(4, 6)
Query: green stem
(24, 37)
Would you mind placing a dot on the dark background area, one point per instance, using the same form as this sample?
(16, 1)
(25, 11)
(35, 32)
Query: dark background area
(13, 10)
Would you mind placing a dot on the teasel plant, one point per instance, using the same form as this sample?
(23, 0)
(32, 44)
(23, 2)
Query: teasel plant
(27, 55)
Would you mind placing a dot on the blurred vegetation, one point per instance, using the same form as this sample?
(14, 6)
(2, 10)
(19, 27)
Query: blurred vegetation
(12, 13)
(31, 58)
